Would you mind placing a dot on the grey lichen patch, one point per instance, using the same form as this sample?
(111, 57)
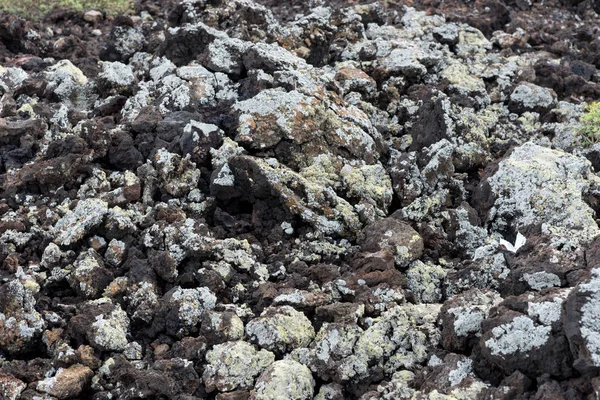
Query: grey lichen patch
(281, 329)
(76, 224)
(590, 329)
(546, 312)
(234, 365)
(530, 97)
(519, 335)
(464, 368)
(467, 320)
(116, 76)
(541, 280)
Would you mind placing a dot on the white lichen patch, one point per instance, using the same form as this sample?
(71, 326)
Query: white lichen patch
(541, 280)
(462, 371)
(88, 214)
(468, 320)
(519, 335)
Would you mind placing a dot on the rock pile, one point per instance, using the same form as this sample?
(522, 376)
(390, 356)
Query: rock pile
(212, 199)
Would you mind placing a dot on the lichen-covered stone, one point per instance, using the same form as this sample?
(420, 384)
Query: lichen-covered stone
(177, 175)
(369, 183)
(185, 308)
(66, 81)
(280, 329)
(67, 382)
(10, 387)
(115, 252)
(117, 77)
(314, 202)
(461, 318)
(102, 323)
(109, 332)
(284, 379)
(76, 224)
(530, 97)
(234, 365)
(399, 338)
(524, 333)
(581, 322)
(220, 327)
(425, 282)
(543, 186)
(20, 323)
(89, 276)
(304, 122)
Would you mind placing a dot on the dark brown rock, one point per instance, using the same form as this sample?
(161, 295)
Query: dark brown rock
(395, 236)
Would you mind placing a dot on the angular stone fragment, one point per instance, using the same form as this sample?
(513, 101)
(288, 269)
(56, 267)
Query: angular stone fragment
(20, 323)
(284, 379)
(67, 382)
(103, 324)
(524, 333)
(90, 277)
(116, 77)
(76, 224)
(538, 185)
(220, 327)
(314, 202)
(461, 318)
(10, 387)
(234, 365)
(396, 236)
(425, 282)
(306, 123)
(581, 320)
(185, 308)
(280, 329)
(530, 97)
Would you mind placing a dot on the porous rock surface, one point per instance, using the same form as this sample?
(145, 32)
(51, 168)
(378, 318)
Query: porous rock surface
(239, 200)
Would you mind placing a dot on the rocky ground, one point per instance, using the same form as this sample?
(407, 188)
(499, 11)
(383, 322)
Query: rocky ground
(302, 200)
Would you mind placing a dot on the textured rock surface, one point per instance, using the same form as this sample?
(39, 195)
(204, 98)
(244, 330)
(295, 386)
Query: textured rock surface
(284, 379)
(234, 365)
(256, 199)
(539, 186)
(280, 330)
